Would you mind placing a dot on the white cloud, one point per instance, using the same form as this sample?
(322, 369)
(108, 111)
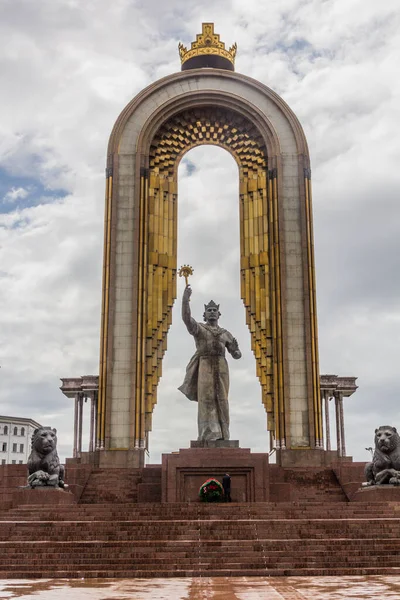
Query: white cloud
(15, 193)
(70, 67)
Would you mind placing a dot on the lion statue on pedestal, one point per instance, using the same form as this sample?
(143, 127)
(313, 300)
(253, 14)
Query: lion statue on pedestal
(43, 463)
(385, 465)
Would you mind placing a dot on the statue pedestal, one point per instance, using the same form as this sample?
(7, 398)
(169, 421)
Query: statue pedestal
(111, 459)
(307, 457)
(377, 493)
(214, 444)
(44, 495)
(185, 471)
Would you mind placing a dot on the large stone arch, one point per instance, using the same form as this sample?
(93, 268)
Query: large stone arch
(277, 266)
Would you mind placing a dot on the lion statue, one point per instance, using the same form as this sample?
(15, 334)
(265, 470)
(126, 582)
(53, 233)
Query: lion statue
(385, 465)
(43, 463)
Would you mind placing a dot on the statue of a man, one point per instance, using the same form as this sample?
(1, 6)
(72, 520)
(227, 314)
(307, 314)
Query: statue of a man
(207, 374)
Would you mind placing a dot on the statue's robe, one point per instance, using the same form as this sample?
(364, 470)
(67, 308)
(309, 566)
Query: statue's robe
(207, 380)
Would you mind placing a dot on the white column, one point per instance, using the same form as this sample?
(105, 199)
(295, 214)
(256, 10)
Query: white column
(80, 419)
(76, 417)
(343, 448)
(338, 428)
(327, 423)
(91, 433)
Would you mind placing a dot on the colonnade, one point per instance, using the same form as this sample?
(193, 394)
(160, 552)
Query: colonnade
(86, 388)
(336, 388)
(83, 389)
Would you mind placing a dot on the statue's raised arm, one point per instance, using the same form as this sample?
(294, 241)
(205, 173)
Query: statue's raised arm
(187, 318)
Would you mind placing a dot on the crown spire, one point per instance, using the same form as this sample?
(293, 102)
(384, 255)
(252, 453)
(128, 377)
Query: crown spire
(207, 51)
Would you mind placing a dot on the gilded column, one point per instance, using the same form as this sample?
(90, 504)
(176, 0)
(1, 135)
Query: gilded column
(101, 405)
(137, 429)
(313, 313)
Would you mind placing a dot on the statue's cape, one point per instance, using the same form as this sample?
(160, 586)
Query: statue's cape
(189, 385)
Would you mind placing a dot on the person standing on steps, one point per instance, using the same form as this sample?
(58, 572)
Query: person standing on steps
(226, 484)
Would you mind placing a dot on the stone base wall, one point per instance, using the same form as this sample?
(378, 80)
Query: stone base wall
(307, 457)
(77, 476)
(11, 478)
(185, 471)
(181, 475)
(106, 459)
(377, 493)
(43, 496)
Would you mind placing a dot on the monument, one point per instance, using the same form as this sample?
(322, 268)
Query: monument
(207, 103)
(303, 520)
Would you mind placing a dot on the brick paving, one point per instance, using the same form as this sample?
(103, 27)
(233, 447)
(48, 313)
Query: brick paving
(207, 588)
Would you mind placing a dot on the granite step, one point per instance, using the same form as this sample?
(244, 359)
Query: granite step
(131, 540)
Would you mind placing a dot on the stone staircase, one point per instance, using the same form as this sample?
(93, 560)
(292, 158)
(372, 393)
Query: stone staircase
(112, 485)
(192, 539)
(315, 485)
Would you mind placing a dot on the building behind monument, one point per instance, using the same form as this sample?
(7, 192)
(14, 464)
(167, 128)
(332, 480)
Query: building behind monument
(15, 439)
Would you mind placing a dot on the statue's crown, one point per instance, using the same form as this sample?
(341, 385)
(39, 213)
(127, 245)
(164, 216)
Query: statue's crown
(211, 304)
(207, 43)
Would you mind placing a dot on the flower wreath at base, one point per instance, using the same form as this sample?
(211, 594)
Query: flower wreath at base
(211, 491)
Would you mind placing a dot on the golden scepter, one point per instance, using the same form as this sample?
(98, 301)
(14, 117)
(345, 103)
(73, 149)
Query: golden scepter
(185, 271)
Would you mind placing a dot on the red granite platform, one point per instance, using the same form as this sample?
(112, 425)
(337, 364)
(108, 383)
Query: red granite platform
(186, 539)
(185, 471)
(113, 529)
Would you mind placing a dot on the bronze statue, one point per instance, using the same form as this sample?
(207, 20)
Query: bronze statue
(43, 463)
(207, 374)
(385, 465)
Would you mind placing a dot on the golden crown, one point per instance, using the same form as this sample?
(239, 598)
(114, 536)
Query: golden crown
(207, 42)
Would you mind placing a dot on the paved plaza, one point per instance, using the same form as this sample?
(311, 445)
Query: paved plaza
(207, 588)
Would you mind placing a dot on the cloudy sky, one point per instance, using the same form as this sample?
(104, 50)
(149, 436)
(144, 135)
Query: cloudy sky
(68, 68)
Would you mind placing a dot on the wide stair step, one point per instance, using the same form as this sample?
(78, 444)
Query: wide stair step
(109, 534)
(131, 540)
(112, 485)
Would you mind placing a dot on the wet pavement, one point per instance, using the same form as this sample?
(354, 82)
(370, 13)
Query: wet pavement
(207, 588)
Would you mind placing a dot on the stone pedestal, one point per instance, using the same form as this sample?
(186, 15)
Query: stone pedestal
(307, 457)
(185, 471)
(214, 444)
(44, 495)
(377, 493)
(111, 459)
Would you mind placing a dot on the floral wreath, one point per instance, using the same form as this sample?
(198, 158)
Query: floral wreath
(211, 491)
